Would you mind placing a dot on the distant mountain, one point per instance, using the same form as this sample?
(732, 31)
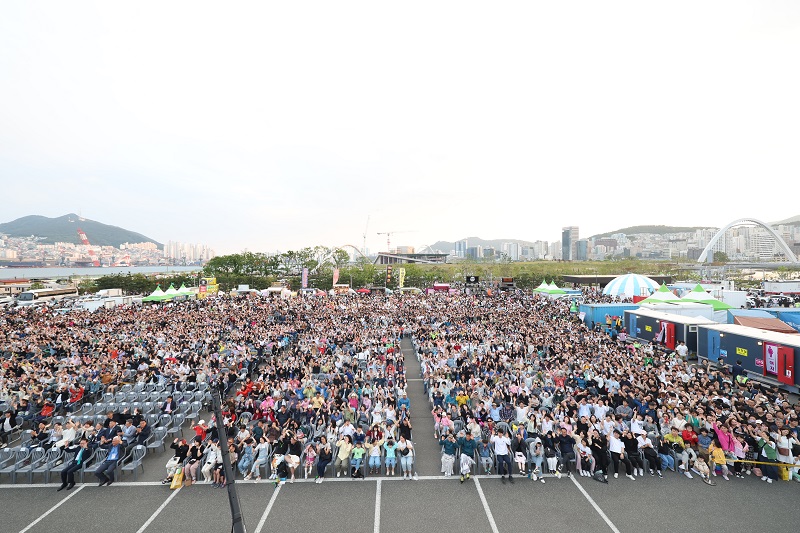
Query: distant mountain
(497, 244)
(658, 230)
(65, 229)
(794, 221)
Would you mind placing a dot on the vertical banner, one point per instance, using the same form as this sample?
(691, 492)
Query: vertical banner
(305, 278)
(401, 278)
(335, 275)
(770, 358)
(388, 274)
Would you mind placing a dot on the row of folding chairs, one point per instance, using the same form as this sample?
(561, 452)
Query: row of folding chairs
(156, 397)
(30, 461)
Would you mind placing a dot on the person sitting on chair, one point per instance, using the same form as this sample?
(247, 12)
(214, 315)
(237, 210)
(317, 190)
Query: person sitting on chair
(79, 460)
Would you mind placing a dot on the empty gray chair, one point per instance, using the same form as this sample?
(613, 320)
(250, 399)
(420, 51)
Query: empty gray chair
(178, 420)
(20, 459)
(87, 408)
(156, 440)
(7, 456)
(165, 420)
(36, 458)
(52, 456)
(133, 461)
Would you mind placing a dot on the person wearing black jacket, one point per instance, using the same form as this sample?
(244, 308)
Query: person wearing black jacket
(8, 425)
(566, 445)
(599, 446)
(632, 451)
(82, 455)
(181, 451)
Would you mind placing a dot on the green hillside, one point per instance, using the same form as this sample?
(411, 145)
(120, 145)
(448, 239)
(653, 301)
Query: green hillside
(65, 229)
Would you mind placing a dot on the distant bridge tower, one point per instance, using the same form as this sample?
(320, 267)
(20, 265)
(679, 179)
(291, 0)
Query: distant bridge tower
(708, 255)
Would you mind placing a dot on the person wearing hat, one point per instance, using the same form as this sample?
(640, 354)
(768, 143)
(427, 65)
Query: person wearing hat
(200, 430)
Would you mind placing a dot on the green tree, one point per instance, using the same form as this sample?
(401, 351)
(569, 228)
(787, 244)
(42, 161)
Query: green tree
(721, 257)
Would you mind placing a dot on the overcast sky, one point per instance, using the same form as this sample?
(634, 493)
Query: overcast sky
(279, 125)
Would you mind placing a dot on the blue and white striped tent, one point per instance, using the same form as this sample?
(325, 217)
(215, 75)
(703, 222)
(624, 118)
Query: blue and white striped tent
(630, 285)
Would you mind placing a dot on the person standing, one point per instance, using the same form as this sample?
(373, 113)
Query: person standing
(502, 445)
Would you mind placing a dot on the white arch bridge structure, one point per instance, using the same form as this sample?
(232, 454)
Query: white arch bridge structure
(708, 254)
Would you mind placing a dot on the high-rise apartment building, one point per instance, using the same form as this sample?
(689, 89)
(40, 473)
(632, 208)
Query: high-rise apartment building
(569, 240)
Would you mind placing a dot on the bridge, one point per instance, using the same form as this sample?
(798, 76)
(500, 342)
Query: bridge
(708, 255)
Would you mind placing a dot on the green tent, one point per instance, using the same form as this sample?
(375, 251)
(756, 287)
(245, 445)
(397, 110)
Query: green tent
(662, 295)
(541, 288)
(553, 289)
(700, 296)
(156, 296)
(184, 290)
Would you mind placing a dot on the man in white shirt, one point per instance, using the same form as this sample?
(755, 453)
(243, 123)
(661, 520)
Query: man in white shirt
(502, 450)
(682, 350)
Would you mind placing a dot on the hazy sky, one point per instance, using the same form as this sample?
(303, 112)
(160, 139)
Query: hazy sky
(277, 125)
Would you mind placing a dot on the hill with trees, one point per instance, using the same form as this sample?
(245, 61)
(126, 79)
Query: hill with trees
(65, 229)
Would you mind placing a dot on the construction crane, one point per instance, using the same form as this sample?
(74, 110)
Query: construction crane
(389, 237)
(85, 241)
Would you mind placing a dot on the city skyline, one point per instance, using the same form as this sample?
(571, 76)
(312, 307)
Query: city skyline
(287, 130)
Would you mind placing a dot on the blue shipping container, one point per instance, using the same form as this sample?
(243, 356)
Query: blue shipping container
(597, 312)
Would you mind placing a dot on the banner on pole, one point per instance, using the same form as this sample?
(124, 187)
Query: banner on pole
(401, 277)
(305, 278)
(335, 275)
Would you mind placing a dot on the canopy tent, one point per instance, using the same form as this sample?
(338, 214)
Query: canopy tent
(184, 290)
(542, 287)
(630, 285)
(156, 296)
(699, 295)
(172, 291)
(554, 289)
(662, 295)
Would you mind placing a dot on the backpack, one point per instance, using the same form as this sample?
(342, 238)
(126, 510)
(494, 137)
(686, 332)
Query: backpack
(599, 476)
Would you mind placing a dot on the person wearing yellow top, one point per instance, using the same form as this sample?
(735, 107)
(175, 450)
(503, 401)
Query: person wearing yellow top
(717, 458)
(683, 451)
(342, 462)
(462, 398)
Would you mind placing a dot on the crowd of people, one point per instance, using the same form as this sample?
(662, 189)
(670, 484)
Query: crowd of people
(516, 384)
(522, 377)
(304, 380)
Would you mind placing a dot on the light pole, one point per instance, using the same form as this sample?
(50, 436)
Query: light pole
(237, 520)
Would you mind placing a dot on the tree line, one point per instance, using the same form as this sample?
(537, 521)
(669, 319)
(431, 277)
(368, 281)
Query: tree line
(260, 271)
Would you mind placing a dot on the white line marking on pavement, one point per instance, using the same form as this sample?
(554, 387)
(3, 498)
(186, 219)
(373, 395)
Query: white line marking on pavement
(486, 506)
(158, 511)
(241, 482)
(263, 520)
(377, 527)
(56, 506)
(596, 507)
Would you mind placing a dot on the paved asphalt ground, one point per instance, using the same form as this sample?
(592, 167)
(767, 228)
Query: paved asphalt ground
(390, 504)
